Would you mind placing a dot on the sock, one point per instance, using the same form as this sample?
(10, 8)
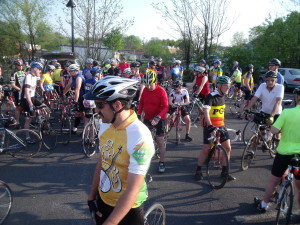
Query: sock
(77, 121)
(224, 168)
(264, 204)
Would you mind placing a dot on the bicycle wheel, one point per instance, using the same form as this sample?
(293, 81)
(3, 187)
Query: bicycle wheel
(90, 140)
(231, 92)
(285, 205)
(65, 129)
(22, 143)
(48, 134)
(5, 201)
(155, 215)
(234, 105)
(217, 167)
(249, 129)
(178, 129)
(196, 113)
(249, 152)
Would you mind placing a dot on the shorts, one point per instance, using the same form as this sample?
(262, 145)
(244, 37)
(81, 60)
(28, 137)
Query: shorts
(135, 216)
(24, 104)
(224, 136)
(160, 127)
(268, 115)
(248, 94)
(80, 105)
(238, 86)
(184, 111)
(280, 165)
(16, 98)
(201, 97)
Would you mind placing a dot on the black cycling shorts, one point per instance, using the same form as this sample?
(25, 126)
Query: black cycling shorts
(280, 165)
(24, 104)
(135, 216)
(248, 94)
(184, 111)
(160, 127)
(206, 135)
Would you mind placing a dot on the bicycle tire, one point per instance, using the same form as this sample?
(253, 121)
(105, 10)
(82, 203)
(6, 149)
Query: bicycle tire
(285, 205)
(249, 129)
(155, 215)
(195, 113)
(90, 140)
(178, 129)
(25, 149)
(5, 201)
(273, 147)
(65, 129)
(234, 106)
(48, 134)
(231, 92)
(214, 167)
(249, 152)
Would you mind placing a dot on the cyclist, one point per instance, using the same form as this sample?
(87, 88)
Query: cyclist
(214, 109)
(126, 150)
(53, 62)
(236, 79)
(114, 70)
(216, 72)
(288, 123)
(152, 66)
(123, 65)
(46, 83)
(274, 64)
(136, 75)
(88, 66)
(247, 87)
(27, 93)
(16, 81)
(161, 71)
(56, 78)
(180, 97)
(203, 64)
(200, 83)
(177, 71)
(77, 82)
(234, 65)
(64, 75)
(154, 103)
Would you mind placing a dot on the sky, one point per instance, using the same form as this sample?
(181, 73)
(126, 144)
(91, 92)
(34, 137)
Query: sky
(150, 24)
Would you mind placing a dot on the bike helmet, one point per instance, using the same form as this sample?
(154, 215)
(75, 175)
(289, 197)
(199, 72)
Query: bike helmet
(37, 65)
(127, 71)
(218, 62)
(18, 62)
(95, 70)
(177, 83)
(202, 61)
(107, 61)
(50, 68)
(178, 62)
(111, 88)
(113, 62)
(275, 62)
(135, 64)
(159, 59)
(89, 61)
(67, 64)
(53, 61)
(271, 74)
(74, 67)
(223, 80)
(95, 63)
(199, 69)
(150, 77)
(296, 91)
(152, 63)
(57, 65)
(248, 67)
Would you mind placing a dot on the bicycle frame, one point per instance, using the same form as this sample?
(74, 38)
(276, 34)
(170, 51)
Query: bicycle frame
(8, 132)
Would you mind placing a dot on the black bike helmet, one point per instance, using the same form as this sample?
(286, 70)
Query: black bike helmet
(248, 67)
(296, 91)
(135, 64)
(275, 62)
(152, 63)
(272, 74)
(177, 83)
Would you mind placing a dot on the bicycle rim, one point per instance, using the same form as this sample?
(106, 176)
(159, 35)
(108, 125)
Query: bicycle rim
(48, 134)
(5, 201)
(285, 205)
(249, 129)
(155, 215)
(234, 106)
(249, 152)
(195, 114)
(217, 158)
(90, 140)
(65, 130)
(19, 147)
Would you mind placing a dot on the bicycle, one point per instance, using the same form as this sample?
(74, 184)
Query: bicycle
(155, 215)
(5, 201)
(153, 134)
(90, 141)
(195, 110)
(7, 105)
(235, 135)
(175, 120)
(285, 196)
(261, 133)
(65, 119)
(21, 143)
(44, 127)
(217, 162)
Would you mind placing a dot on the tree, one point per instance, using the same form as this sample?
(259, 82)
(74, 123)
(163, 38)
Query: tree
(132, 42)
(114, 40)
(155, 47)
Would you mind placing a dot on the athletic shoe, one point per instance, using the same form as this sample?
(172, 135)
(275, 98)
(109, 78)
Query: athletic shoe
(161, 168)
(257, 204)
(188, 138)
(228, 176)
(198, 176)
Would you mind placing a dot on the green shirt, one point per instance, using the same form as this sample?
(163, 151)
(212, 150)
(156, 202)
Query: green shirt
(289, 123)
(238, 76)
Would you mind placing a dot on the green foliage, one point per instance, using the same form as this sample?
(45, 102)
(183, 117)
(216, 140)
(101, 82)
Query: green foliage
(114, 40)
(156, 47)
(132, 42)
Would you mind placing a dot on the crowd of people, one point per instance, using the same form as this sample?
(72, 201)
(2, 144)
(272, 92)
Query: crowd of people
(126, 147)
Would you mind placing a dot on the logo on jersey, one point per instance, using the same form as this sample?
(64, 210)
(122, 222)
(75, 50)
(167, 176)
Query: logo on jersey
(141, 153)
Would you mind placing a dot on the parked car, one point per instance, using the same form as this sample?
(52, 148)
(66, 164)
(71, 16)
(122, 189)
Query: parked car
(291, 77)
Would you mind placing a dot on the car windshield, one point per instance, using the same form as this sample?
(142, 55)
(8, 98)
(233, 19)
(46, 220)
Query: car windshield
(295, 71)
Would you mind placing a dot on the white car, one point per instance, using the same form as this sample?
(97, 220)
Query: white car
(291, 77)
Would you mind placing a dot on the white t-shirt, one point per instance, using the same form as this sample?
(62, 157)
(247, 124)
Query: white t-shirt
(179, 97)
(31, 81)
(268, 98)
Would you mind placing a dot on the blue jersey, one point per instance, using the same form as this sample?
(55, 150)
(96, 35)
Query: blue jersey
(175, 73)
(82, 92)
(280, 79)
(89, 84)
(86, 72)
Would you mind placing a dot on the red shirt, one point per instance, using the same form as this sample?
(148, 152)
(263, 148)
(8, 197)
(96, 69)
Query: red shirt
(123, 66)
(205, 90)
(154, 103)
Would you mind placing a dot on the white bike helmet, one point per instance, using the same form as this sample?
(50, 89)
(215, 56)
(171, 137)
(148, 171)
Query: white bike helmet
(74, 67)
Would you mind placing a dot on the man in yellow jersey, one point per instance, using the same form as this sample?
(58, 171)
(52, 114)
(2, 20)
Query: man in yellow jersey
(214, 109)
(216, 72)
(56, 78)
(126, 148)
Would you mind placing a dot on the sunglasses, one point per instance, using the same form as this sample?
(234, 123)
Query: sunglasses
(271, 65)
(270, 80)
(100, 105)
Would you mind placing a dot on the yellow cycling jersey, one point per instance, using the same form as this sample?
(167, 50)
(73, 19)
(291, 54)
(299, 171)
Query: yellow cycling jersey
(46, 78)
(248, 78)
